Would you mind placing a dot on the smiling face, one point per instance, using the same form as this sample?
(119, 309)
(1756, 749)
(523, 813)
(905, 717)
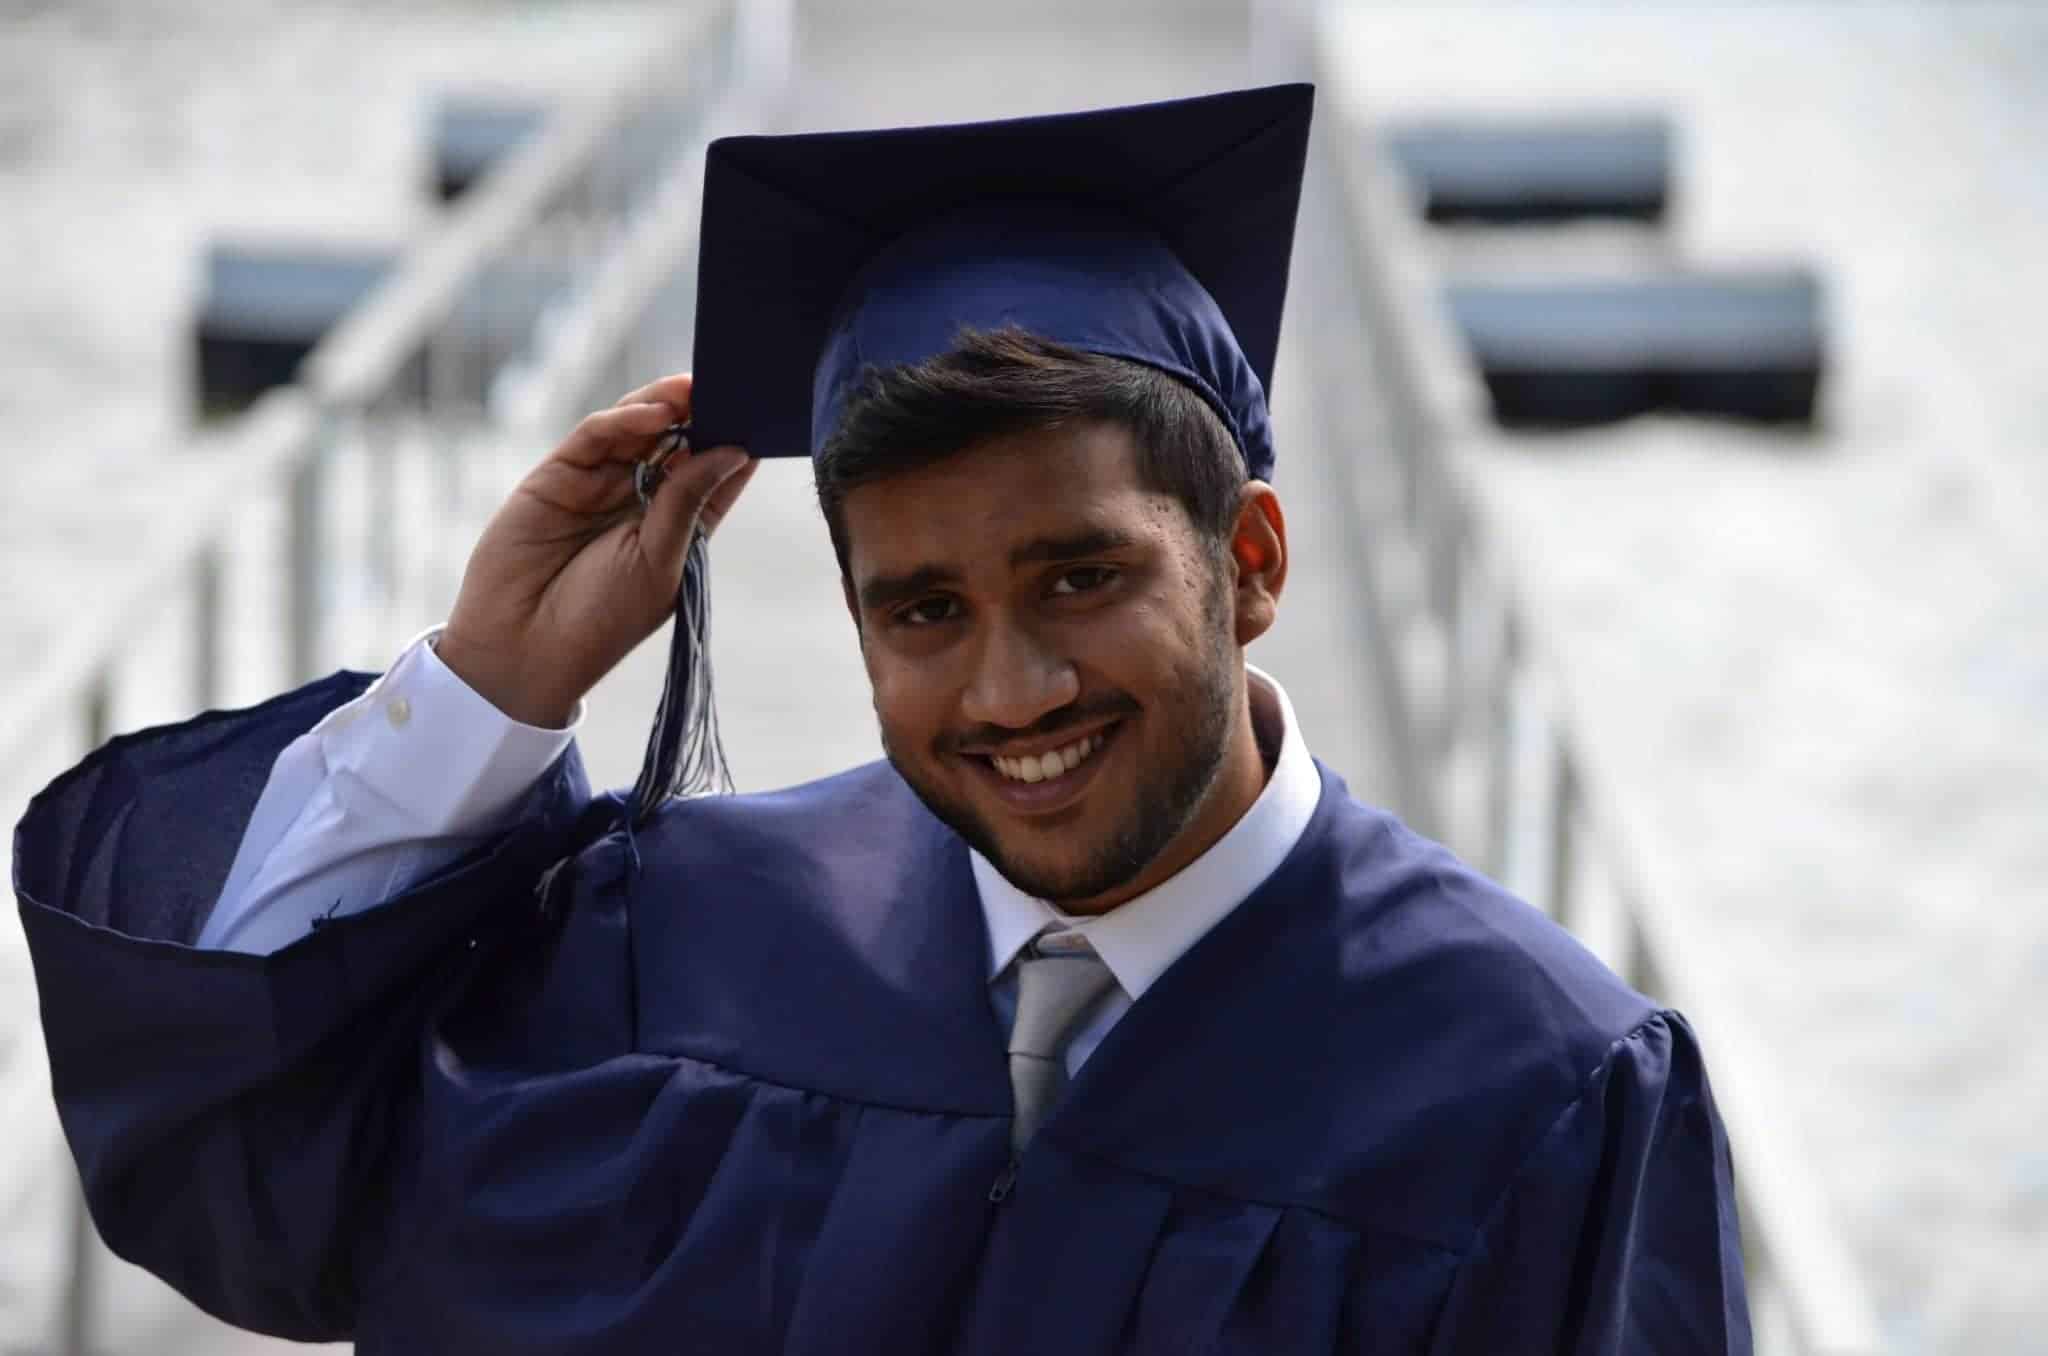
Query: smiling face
(1056, 656)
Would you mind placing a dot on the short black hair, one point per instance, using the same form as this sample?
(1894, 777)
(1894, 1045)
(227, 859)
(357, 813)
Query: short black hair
(996, 382)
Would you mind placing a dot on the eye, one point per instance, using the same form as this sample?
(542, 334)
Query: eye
(928, 611)
(1083, 579)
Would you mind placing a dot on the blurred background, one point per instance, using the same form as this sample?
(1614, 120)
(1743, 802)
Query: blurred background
(1663, 424)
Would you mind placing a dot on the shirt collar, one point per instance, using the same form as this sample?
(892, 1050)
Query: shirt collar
(1141, 937)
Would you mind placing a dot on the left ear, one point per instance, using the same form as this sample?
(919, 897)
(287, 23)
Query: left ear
(1258, 554)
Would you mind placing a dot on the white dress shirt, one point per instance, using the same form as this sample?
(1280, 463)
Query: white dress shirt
(420, 768)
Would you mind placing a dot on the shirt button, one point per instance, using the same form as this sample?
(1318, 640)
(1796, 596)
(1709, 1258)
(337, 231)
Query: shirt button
(398, 711)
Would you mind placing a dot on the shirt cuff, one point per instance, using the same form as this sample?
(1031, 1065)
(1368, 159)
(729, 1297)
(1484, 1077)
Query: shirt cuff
(442, 755)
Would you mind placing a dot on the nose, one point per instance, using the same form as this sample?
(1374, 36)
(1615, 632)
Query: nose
(1017, 679)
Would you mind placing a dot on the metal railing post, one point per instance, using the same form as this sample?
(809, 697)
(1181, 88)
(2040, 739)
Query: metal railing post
(305, 558)
(380, 469)
(1562, 795)
(76, 1335)
(207, 678)
(1502, 675)
(96, 708)
(1446, 585)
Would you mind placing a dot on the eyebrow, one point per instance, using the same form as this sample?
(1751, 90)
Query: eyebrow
(1089, 541)
(888, 590)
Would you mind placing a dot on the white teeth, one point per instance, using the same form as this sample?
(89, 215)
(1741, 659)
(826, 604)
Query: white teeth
(1038, 767)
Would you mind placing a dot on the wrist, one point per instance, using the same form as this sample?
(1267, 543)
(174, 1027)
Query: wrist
(497, 677)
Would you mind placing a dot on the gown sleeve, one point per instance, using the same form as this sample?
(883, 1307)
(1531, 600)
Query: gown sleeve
(239, 1120)
(385, 790)
(1618, 1234)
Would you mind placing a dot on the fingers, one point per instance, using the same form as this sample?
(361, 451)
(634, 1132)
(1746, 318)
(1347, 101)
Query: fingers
(670, 390)
(725, 495)
(626, 430)
(622, 433)
(705, 485)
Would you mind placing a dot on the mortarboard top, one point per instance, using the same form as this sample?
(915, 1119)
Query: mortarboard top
(1159, 232)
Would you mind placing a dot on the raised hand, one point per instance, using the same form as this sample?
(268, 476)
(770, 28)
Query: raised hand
(570, 574)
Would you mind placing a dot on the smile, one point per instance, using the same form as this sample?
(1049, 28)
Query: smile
(1046, 766)
(1048, 782)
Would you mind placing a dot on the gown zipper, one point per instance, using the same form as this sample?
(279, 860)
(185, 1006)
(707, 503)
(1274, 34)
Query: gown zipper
(1005, 1180)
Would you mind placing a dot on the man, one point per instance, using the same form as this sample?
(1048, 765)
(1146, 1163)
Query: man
(1097, 1018)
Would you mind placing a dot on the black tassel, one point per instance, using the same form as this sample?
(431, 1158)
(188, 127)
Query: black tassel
(685, 756)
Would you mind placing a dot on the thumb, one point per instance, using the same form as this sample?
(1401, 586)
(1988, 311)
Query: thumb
(681, 500)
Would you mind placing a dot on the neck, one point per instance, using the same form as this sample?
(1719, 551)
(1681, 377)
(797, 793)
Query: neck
(1248, 759)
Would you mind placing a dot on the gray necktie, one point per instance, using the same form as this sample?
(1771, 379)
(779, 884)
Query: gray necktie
(1059, 977)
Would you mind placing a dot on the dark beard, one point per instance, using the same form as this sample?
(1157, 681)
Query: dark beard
(1165, 804)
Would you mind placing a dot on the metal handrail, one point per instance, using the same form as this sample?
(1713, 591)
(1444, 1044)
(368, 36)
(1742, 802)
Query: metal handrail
(268, 442)
(1493, 672)
(363, 355)
(353, 369)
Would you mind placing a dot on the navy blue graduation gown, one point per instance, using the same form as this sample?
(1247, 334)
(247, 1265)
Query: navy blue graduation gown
(733, 1085)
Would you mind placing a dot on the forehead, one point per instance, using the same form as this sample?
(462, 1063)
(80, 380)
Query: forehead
(978, 503)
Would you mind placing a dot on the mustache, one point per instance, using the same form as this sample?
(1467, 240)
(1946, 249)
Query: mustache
(1087, 712)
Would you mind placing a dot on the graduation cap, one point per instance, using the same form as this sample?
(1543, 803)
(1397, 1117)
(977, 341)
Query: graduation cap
(1158, 233)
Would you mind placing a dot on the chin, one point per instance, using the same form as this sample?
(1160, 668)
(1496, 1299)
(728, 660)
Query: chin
(1046, 860)
(1072, 873)
(1058, 883)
